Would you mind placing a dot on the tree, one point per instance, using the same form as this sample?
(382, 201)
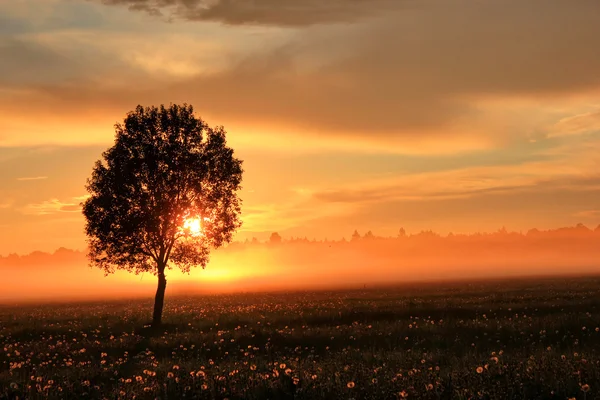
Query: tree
(355, 235)
(275, 238)
(164, 195)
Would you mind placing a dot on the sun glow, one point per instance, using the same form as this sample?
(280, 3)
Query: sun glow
(193, 226)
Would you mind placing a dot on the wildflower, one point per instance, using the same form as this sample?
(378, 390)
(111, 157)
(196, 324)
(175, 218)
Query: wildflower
(14, 386)
(296, 381)
(204, 386)
(170, 375)
(282, 366)
(351, 385)
(253, 367)
(314, 377)
(479, 370)
(403, 394)
(429, 386)
(585, 388)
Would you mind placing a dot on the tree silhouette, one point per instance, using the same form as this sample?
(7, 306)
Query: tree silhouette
(275, 238)
(164, 195)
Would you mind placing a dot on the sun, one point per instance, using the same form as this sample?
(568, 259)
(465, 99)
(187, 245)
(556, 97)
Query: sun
(193, 226)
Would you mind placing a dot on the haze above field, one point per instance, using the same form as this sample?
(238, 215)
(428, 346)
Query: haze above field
(443, 115)
(300, 264)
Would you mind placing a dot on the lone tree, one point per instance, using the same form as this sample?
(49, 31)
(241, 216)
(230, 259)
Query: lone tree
(164, 195)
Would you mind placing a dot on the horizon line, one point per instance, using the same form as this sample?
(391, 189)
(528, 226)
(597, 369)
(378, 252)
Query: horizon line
(368, 235)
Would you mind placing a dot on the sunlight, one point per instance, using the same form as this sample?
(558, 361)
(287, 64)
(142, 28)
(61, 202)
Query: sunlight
(193, 226)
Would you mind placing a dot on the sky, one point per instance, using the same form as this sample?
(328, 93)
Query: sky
(449, 115)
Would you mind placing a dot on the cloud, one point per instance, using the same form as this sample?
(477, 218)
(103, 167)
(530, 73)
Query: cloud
(53, 206)
(564, 174)
(29, 61)
(262, 12)
(577, 124)
(33, 178)
(421, 77)
(588, 214)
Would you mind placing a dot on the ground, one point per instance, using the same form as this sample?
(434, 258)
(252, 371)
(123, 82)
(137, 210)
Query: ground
(527, 339)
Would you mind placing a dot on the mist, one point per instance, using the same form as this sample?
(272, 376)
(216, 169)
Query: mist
(302, 264)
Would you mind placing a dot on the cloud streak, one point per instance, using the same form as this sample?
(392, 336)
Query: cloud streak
(53, 206)
(292, 13)
(577, 124)
(33, 178)
(566, 174)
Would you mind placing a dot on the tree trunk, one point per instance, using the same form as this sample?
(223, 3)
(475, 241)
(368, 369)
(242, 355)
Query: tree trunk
(159, 300)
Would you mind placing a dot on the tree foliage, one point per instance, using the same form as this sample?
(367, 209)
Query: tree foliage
(166, 167)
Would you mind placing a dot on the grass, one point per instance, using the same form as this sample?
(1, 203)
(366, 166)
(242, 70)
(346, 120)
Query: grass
(529, 339)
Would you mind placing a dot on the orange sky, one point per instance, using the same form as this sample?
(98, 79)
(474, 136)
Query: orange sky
(449, 115)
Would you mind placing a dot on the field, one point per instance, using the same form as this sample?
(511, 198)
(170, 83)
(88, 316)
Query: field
(527, 339)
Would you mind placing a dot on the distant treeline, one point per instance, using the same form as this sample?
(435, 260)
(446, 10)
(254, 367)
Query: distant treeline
(579, 231)
(578, 236)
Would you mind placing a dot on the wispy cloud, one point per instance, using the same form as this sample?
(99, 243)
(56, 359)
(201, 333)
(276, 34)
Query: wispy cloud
(588, 214)
(33, 178)
(54, 206)
(577, 124)
(262, 12)
(566, 173)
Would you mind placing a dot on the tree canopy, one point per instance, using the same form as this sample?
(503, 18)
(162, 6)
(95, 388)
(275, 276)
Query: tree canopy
(164, 195)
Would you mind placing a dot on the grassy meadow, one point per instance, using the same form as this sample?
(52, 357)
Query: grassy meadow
(521, 339)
